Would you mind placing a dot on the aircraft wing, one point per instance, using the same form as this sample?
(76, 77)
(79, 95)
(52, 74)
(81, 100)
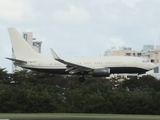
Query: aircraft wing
(72, 68)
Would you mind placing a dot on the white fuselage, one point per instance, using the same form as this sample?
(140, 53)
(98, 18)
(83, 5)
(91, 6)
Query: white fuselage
(117, 64)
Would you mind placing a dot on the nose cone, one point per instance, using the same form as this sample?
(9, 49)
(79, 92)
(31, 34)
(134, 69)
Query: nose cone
(152, 65)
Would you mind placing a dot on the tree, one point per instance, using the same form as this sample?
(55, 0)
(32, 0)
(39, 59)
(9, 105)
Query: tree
(135, 84)
(4, 76)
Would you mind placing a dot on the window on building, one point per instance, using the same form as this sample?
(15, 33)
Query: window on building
(134, 54)
(128, 54)
(25, 36)
(139, 54)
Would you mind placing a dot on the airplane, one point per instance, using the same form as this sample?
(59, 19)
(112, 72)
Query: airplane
(27, 57)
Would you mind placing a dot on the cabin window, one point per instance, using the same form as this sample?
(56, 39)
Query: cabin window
(147, 61)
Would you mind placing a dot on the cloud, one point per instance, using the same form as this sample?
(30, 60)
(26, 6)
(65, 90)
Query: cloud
(116, 41)
(11, 9)
(130, 3)
(73, 15)
(81, 27)
(16, 10)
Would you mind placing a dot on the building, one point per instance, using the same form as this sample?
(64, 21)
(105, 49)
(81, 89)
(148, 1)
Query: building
(147, 48)
(36, 45)
(148, 52)
(123, 51)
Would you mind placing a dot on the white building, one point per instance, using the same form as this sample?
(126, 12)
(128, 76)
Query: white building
(36, 45)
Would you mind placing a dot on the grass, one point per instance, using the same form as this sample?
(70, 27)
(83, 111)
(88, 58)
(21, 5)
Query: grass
(75, 115)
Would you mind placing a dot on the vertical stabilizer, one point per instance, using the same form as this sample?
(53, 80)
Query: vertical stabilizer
(22, 49)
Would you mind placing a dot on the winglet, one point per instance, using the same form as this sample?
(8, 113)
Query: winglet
(55, 56)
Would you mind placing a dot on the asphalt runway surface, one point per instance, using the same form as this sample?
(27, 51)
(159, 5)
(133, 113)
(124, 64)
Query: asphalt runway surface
(77, 119)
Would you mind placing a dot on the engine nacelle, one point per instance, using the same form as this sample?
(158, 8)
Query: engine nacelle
(101, 72)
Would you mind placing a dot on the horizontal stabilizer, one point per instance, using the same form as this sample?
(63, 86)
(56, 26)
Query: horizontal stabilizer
(16, 60)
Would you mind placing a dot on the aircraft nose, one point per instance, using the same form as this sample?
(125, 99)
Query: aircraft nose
(152, 65)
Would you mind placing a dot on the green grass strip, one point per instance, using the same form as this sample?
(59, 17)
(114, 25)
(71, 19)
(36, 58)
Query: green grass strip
(75, 115)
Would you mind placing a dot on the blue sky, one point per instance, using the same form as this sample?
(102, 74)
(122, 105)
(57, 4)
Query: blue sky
(80, 27)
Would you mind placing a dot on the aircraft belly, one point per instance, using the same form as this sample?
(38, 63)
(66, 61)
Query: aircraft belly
(54, 71)
(48, 69)
(127, 70)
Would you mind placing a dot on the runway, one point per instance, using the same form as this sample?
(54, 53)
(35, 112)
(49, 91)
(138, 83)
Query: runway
(73, 116)
(79, 119)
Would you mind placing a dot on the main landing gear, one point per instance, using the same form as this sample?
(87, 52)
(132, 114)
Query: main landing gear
(81, 79)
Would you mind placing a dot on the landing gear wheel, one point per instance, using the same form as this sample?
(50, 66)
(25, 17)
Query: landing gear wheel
(81, 79)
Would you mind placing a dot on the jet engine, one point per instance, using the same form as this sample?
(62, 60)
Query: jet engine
(101, 72)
